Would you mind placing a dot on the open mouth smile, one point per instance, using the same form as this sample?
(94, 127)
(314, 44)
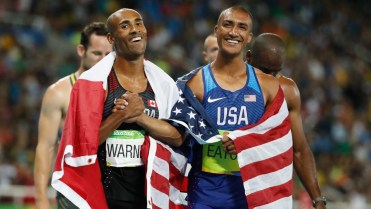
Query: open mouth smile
(136, 39)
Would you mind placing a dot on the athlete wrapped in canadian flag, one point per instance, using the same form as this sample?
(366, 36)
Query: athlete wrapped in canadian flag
(76, 172)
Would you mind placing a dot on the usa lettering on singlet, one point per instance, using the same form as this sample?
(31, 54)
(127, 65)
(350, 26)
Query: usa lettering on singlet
(231, 111)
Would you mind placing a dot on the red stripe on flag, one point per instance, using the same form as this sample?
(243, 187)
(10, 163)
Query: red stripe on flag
(175, 206)
(159, 183)
(253, 140)
(269, 195)
(268, 165)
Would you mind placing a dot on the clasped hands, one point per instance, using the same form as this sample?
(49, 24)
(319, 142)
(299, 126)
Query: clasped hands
(130, 106)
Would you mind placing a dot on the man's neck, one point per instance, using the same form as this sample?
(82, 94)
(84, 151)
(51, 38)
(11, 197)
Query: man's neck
(79, 72)
(229, 66)
(132, 68)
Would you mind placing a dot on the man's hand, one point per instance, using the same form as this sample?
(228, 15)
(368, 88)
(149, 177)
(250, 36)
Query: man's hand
(130, 105)
(228, 144)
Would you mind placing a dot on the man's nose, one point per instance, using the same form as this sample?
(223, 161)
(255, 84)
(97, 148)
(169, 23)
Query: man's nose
(233, 31)
(134, 30)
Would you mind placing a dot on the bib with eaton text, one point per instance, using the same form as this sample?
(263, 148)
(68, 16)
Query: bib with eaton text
(216, 160)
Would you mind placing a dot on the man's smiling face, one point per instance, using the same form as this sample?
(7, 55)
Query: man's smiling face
(233, 31)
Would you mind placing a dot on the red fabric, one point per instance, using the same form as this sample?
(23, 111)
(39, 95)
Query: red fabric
(283, 159)
(81, 131)
(167, 175)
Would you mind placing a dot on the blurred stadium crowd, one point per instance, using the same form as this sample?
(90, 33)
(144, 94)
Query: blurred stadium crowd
(329, 57)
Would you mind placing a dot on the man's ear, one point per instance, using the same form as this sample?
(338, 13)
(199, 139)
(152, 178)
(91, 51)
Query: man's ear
(204, 54)
(80, 49)
(110, 38)
(248, 56)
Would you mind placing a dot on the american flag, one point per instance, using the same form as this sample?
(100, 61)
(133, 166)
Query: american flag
(76, 172)
(249, 98)
(165, 174)
(264, 150)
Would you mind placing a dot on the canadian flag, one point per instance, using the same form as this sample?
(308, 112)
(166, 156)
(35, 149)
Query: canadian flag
(151, 103)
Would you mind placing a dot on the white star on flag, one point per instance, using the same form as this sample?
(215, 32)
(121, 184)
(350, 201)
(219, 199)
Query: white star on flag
(181, 99)
(191, 115)
(202, 124)
(177, 111)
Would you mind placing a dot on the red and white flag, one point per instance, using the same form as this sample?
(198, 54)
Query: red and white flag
(165, 175)
(151, 103)
(76, 172)
(265, 157)
(264, 150)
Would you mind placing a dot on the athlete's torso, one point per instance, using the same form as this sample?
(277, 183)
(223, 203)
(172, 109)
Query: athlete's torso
(215, 174)
(232, 110)
(124, 183)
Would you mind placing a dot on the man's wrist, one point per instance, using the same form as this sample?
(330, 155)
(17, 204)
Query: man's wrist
(317, 200)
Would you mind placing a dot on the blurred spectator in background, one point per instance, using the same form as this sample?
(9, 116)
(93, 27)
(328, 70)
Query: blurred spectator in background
(210, 48)
(92, 48)
(328, 45)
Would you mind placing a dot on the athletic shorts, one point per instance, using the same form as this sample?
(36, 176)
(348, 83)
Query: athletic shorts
(64, 203)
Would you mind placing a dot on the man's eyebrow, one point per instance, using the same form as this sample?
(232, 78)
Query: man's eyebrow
(228, 21)
(138, 19)
(243, 24)
(127, 21)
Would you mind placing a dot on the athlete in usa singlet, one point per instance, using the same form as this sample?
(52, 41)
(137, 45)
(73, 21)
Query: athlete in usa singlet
(122, 169)
(214, 181)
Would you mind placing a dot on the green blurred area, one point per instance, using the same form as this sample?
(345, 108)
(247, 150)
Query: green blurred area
(13, 206)
(17, 206)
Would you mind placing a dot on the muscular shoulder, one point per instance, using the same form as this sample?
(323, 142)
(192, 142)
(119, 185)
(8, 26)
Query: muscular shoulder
(269, 85)
(58, 94)
(196, 85)
(291, 91)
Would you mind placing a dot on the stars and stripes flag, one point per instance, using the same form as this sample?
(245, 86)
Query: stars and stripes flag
(264, 150)
(76, 172)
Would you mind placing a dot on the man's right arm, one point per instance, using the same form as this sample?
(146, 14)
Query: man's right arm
(158, 129)
(49, 122)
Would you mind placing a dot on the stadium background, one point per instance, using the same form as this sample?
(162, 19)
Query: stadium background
(329, 57)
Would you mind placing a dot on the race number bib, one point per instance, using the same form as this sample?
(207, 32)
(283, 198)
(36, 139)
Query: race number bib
(216, 160)
(123, 148)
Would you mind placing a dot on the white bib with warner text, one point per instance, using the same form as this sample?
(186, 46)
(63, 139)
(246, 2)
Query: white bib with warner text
(123, 148)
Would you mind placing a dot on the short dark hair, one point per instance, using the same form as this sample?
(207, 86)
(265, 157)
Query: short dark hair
(239, 8)
(97, 28)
